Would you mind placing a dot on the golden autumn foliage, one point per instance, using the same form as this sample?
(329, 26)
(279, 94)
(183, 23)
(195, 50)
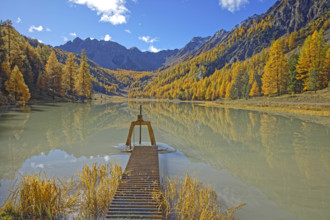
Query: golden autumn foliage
(83, 84)
(313, 56)
(255, 91)
(186, 80)
(275, 76)
(31, 58)
(204, 77)
(69, 74)
(327, 65)
(53, 75)
(5, 69)
(16, 87)
(292, 40)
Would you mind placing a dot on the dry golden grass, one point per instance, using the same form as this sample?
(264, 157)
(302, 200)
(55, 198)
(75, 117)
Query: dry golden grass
(307, 103)
(38, 196)
(98, 185)
(189, 199)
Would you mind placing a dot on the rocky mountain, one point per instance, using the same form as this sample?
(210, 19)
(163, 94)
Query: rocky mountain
(190, 47)
(193, 45)
(201, 74)
(112, 55)
(282, 18)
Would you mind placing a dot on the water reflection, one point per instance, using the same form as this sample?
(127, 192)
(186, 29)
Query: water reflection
(285, 159)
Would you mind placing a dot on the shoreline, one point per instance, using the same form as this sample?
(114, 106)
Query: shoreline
(311, 107)
(308, 106)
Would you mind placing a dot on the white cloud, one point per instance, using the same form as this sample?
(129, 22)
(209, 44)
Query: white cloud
(73, 34)
(113, 11)
(232, 5)
(107, 37)
(135, 1)
(128, 31)
(40, 41)
(48, 30)
(65, 39)
(148, 39)
(18, 20)
(107, 158)
(92, 38)
(153, 49)
(34, 28)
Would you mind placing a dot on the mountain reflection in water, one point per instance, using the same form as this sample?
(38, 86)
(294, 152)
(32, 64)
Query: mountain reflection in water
(278, 165)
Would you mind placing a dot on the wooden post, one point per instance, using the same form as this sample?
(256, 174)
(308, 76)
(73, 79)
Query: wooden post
(140, 122)
(140, 125)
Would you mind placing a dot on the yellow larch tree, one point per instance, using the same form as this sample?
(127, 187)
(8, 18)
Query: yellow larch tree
(313, 56)
(275, 71)
(83, 85)
(53, 75)
(255, 89)
(222, 90)
(327, 66)
(292, 40)
(69, 74)
(16, 87)
(5, 69)
(41, 83)
(228, 88)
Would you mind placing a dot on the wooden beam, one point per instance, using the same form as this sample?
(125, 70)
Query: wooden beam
(151, 133)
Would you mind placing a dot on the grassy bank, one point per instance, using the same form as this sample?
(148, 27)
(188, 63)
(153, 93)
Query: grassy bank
(309, 106)
(36, 196)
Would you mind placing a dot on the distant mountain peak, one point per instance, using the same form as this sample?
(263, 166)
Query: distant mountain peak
(193, 45)
(134, 48)
(77, 39)
(112, 55)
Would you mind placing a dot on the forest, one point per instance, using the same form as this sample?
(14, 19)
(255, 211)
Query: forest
(294, 63)
(27, 71)
(32, 70)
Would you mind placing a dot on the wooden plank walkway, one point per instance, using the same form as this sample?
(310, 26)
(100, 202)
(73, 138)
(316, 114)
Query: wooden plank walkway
(134, 198)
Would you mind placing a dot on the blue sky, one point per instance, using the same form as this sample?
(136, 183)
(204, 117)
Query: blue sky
(149, 25)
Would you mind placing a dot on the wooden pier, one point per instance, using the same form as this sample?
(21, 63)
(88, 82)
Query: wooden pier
(135, 197)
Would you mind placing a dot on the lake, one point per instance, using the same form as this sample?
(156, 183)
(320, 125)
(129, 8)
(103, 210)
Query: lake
(278, 165)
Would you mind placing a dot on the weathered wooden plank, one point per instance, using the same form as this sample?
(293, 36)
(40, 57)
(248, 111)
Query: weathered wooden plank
(135, 196)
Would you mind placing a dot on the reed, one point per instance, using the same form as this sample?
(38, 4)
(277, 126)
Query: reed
(189, 199)
(36, 196)
(98, 184)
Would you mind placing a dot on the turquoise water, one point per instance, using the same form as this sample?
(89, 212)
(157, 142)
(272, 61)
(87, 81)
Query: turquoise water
(279, 166)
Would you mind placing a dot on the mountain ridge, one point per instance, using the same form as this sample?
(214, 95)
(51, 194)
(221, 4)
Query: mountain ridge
(112, 55)
(230, 66)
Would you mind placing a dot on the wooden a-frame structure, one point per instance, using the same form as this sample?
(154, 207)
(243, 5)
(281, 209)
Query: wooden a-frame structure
(140, 122)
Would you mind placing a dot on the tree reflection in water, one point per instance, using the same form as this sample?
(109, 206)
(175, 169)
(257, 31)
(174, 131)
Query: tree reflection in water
(286, 158)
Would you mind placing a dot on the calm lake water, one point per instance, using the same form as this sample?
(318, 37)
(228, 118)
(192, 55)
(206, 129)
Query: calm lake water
(279, 166)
